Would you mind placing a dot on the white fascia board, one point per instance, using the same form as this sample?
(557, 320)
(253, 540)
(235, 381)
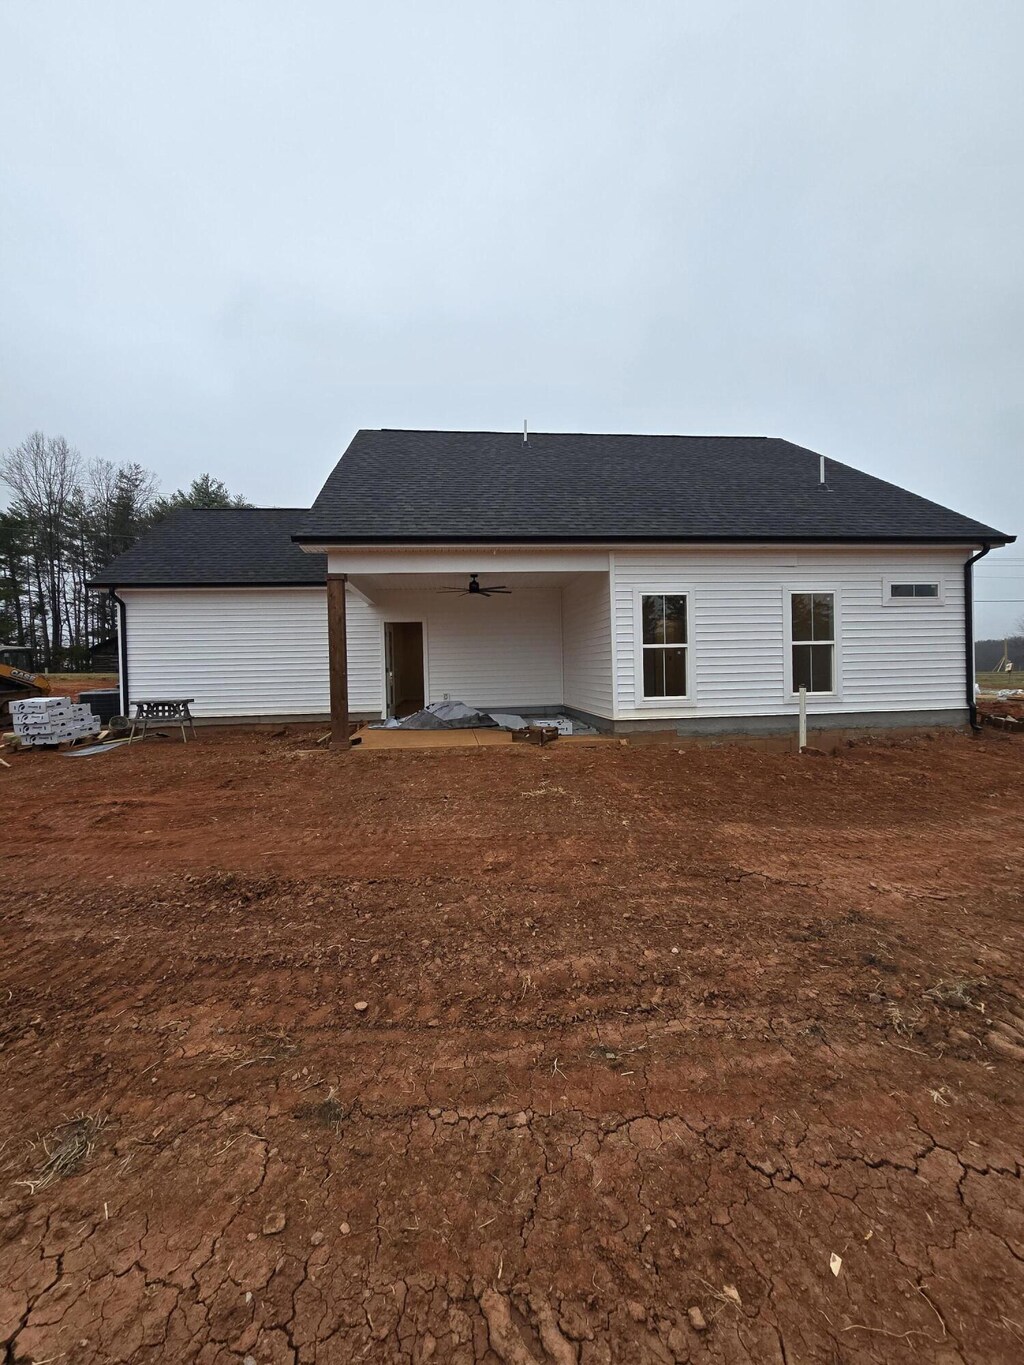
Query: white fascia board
(370, 557)
(467, 559)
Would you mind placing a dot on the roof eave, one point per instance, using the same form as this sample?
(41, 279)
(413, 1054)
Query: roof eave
(96, 584)
(980, 536)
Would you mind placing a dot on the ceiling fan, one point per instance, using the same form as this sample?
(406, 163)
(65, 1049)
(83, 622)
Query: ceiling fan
(475, 590)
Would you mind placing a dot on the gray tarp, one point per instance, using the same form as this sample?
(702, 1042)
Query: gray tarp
(446, 715)
(456, 715)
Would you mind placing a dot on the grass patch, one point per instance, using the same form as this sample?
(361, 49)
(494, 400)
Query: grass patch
(997, 682)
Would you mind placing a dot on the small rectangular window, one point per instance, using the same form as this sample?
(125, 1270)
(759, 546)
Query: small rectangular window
(813, 641)
(664, 644)
(902, 591)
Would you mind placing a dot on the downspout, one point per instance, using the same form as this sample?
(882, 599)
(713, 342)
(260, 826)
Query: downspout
(122, 648)
(969, 632)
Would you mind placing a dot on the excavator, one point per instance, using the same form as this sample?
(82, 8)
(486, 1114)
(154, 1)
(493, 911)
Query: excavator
(15, 684)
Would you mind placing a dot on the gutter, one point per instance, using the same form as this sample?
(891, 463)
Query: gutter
(210, 583)
(969, 633)
(318, 541)
(122, 648)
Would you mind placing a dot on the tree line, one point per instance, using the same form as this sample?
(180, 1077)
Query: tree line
(988, 653)
(66, 517)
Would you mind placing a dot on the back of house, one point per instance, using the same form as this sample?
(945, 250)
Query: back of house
(689, 583)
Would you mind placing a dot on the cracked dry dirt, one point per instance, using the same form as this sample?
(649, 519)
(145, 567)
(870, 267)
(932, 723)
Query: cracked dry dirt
(650, 1037)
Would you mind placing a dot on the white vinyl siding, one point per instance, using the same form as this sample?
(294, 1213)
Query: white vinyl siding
(887, 658)
(486, 651)
(573, 641)
(587, 642)
(246, 651)
(364, 638)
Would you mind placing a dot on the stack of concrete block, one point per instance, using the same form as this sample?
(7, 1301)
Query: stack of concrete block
(52, 720)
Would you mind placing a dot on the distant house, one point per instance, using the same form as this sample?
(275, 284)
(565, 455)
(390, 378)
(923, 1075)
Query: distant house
(685, 582)
(103, 655)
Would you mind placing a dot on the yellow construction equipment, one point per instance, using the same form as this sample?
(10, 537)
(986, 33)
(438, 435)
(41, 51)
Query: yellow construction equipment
(15, 683)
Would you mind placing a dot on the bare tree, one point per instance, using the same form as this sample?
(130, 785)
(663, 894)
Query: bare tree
(65, 520)
(120, 501)
(44, 474)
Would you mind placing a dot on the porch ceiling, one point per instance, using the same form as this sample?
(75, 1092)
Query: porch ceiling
(375, 584)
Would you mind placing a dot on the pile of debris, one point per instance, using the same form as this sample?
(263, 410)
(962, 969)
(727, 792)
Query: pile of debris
(52, 720)
(456, 715)
(1003, 709)
(441, 715)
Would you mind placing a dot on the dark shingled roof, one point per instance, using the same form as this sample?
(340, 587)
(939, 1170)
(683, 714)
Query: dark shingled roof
(443, 486)
(236, 546)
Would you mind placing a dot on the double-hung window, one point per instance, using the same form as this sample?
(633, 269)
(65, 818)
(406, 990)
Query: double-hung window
(664, 644)
(813, 641)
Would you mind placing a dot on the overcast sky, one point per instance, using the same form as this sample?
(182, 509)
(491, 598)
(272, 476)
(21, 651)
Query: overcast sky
(233, 233)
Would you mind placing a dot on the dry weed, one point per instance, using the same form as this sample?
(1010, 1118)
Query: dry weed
(957, 994)
(65, 1149)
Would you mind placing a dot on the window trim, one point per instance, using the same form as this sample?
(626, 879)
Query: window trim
(790, 697)
(889, 601)
(640, 701)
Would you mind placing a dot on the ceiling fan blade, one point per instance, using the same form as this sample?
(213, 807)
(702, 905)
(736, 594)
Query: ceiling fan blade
(477, 589)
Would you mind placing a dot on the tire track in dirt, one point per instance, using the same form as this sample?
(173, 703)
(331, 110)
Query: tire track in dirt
(550, 1137)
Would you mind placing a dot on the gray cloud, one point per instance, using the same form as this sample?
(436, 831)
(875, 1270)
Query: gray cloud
(230, 234)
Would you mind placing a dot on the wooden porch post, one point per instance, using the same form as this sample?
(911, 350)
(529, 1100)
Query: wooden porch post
(337, 653)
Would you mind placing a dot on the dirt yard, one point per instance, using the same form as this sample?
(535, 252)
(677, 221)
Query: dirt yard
(589, 1055)
(71, 684)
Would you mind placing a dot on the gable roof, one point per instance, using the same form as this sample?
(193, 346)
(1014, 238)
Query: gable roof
(232, 546)
(444, 486)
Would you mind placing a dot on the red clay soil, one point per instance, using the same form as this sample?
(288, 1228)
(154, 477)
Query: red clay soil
(72, 684)
(710, 1057)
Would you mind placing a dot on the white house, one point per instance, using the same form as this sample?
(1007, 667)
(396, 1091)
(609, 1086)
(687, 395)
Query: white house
(692, 583)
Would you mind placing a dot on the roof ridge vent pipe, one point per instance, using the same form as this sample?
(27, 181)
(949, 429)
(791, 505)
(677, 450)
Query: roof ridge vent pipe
(822, 485)
(525, 437)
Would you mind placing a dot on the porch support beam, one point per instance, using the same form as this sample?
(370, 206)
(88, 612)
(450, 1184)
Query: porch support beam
(337, 655)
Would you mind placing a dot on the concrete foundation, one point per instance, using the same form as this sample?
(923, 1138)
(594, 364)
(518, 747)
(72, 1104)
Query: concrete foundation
(322, 718)
(778, 733)
(824, 730)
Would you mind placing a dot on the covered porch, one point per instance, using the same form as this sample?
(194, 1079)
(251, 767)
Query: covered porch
(539, 646)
